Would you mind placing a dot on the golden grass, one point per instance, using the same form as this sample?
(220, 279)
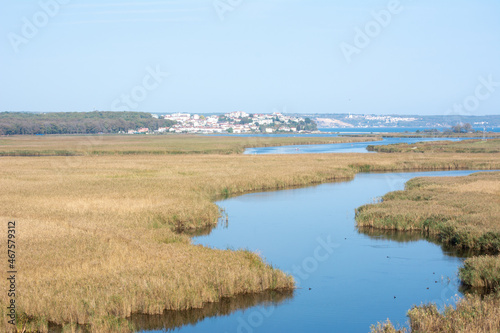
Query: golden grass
(479, 135)
(96, 234)
(171, 320)
(55, 145)
(481, 272)
(471, 315)
(468, 146)
(463, 212)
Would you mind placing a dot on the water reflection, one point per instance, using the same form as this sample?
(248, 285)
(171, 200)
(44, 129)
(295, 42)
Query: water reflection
(415, 236)
(205, 231)
(354, 147)
(171, 320)
(367, 276)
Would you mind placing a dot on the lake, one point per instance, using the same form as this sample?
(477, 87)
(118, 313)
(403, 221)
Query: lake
(348, 279)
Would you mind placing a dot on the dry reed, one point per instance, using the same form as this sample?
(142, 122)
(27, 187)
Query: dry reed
(472, 314)
(97, 236)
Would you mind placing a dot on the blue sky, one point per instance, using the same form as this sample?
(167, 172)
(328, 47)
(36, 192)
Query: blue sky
(424, 57)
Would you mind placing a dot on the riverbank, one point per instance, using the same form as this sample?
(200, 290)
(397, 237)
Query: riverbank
(423, 134)
(472, 314)
(105, 226)
(462, 212)
(472, 146)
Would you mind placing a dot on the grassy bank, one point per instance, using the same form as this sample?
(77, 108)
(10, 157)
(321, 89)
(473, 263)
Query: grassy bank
(422, 134)
(472, 314)
(96, 235)
(481, 272)
(461, 212)
(172, 320)
(98, 145)
(469, 146)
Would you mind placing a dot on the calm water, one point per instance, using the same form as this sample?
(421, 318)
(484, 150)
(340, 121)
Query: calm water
(356, 147)
(394, 130)
(349, 280)
(279, 135)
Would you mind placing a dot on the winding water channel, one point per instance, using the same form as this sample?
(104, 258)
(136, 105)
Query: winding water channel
(348, 279)
(355, 147)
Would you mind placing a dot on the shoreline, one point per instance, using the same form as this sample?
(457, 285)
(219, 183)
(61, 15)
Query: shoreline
(128, 320)
(459, 213)
(181, 186)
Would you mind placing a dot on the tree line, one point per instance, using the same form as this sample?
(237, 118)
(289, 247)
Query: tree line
(12, 123)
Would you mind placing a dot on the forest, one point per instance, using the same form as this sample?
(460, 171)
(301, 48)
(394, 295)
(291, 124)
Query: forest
(12, 123)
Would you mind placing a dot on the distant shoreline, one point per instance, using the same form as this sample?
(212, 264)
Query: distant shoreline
(365, 130)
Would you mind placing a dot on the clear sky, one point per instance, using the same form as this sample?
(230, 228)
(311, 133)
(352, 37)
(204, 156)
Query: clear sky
(297, 56)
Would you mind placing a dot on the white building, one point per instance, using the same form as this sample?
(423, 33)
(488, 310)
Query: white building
(237, 114)
(181, 117)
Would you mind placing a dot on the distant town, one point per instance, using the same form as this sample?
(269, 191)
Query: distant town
(235, 122)
(239, 122)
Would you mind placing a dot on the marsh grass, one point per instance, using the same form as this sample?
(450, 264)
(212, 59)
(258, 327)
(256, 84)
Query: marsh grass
(98, 145)
(468, 146)
(481, 272)
(97, 236)
(472, 314)
(171, 320)
(478, 135)
(464, 213)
